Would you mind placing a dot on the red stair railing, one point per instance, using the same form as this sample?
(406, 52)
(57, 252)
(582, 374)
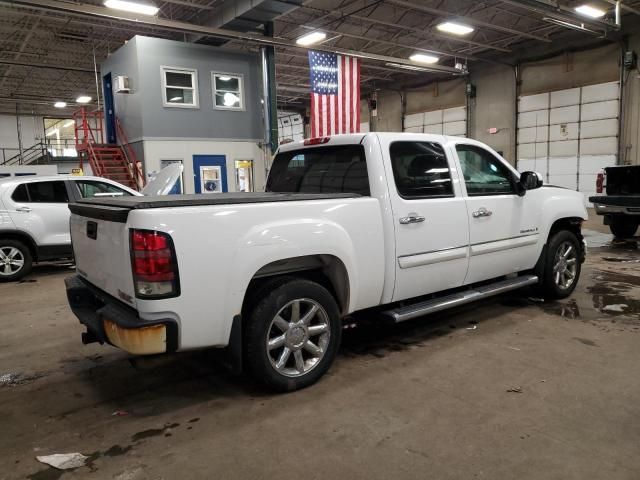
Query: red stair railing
(134, 165)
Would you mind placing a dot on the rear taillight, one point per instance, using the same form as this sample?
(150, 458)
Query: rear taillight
(600, 183)
(154, 265)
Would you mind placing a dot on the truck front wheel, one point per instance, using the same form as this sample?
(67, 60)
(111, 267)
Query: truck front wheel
(292, 334)
(562, 265)
(623, 227)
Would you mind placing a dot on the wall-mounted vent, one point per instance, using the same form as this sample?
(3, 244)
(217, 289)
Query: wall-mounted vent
(121, 84)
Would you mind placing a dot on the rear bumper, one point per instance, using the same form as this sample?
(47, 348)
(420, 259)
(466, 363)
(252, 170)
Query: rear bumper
(110, 321)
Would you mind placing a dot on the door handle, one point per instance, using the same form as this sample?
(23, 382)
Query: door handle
(482, 212)
(411, 219)
(23, 209)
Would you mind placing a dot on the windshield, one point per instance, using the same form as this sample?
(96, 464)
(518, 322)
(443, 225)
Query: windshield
(330, 169)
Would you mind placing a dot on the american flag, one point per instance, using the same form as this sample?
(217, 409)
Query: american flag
(335, 94)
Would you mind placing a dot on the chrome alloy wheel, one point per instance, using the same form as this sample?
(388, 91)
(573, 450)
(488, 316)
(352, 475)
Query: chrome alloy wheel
(298, 337)
(565, 265)
(11, 261)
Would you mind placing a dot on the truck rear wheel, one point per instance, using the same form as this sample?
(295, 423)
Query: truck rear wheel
(15, 260)
(623, 227)
(292, 334)
(562, 265)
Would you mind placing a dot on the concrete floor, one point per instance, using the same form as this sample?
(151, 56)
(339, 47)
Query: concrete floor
(510, 388)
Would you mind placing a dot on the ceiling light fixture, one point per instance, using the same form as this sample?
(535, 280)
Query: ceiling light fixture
(455, 28)
(572, 26)
(52, 132)
(589, 11)
(311, 38)
(423, 58)
(68, 124)
(224, 78)
(83, 99)
(413, 68)
(60, 104)
(143, 8)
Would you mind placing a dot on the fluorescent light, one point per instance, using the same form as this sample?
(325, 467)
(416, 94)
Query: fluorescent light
(455, 28)
(68, 124)
(224, 78)
(423, 58)
(175, 99)
(134, 7)
(590, 11)
(52, 132)
(230, 99)
(83, 99)
(60, 104)
(311, 38)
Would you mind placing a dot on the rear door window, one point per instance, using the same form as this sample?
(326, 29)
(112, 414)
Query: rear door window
(41, 192)
(420, 170)
(331, 169)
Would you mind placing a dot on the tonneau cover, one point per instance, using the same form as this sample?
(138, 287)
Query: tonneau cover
(117, 208)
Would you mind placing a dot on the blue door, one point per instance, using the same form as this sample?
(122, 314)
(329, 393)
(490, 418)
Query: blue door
(109, 113)
(210, 173)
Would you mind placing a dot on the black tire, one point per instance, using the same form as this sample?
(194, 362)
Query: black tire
(276, 297)
(623, 227)
(23, 254)
(557, 244)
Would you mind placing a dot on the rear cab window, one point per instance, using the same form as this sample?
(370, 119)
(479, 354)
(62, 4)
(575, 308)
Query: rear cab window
(41, 192)
(326, 169)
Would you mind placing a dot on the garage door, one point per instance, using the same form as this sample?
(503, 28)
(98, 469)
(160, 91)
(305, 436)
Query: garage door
(450, 121)
(290, 127)
(569, 135)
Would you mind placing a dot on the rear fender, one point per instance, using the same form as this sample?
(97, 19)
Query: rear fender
(270, 242)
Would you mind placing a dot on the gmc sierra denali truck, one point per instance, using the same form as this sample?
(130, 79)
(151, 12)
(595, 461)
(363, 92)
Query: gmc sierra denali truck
(403, 224)
(621, 204)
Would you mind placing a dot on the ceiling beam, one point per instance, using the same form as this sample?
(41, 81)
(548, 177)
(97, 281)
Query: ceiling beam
(44, 65)
(177, 26)
(479, 23)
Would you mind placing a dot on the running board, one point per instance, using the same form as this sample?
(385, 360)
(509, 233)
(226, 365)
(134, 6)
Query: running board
(461, 298)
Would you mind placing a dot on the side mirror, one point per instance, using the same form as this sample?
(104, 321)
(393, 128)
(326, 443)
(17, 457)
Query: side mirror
(529, 181)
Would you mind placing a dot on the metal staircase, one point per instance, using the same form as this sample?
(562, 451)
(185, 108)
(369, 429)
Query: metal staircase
(112, 161)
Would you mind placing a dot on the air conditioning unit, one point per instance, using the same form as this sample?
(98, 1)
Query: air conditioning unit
(121, 84)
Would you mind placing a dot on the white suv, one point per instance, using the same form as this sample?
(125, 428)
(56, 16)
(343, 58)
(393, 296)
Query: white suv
(34, 217)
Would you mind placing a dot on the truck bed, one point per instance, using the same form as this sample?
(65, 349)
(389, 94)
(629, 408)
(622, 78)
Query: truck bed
(116, 209)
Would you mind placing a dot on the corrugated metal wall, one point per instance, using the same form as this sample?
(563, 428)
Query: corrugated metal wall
(569, 135)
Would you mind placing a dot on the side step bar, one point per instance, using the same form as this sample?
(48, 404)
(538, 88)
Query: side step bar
(461, 298)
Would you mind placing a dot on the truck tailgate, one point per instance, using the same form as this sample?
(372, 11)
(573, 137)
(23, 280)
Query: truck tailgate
(101, 249)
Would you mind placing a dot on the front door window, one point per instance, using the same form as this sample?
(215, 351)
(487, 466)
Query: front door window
(211, 179)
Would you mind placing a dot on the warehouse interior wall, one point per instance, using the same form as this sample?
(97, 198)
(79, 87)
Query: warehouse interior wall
(630, 131)
(495, 103)
(31, 131)
(494, 106)
(436, 96)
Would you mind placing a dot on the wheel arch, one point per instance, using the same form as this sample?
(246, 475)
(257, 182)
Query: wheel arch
(325, 269)
(24, 238)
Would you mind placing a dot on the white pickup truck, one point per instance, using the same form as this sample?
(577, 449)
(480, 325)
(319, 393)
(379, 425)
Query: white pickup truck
(403, 224)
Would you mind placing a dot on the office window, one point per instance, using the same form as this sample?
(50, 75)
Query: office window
(228, 93)
(179, 87)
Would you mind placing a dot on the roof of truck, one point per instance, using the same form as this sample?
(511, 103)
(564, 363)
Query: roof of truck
(354, 138)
